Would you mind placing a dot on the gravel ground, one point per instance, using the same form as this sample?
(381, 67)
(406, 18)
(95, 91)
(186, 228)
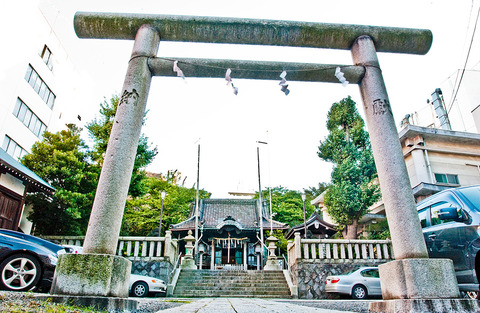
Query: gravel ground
(26, 302)
(151, 305)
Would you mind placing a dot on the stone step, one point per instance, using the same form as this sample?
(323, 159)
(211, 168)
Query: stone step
(240, 288)
(229, 271)
(211, 293)
(239, 284)
(231, 281)
(234, 277)
(207, 283)
(232, 296)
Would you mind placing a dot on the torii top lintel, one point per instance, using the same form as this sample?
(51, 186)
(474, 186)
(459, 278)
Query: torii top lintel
(251, 31)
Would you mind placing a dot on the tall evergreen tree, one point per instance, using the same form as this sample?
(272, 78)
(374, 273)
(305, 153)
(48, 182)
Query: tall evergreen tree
(99, 131)
(61, 160)
(353, 188)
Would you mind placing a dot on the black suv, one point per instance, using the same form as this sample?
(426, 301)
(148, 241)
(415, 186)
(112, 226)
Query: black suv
(450, 222)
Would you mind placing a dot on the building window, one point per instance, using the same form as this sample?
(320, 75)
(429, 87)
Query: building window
(47, 57)
(12, 148)
(39, 86)
(28, 118)
(447, 179)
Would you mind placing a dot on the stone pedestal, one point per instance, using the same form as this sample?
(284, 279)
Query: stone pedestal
(273, 263)
(101, 275)
(188, 263)
(418, 279)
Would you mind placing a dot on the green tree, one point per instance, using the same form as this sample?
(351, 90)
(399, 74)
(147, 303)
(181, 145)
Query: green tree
(353, 188)
(313, 192)
(379, 230)
(142, 214)
(61, 160)
(99, 131)
(287, 205)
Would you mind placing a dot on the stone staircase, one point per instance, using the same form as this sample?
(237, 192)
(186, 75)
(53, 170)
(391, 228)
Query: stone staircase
(228, 283)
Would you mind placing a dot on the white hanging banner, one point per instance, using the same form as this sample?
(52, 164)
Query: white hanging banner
(177, 70)
(228, 78)
(284, 84)
(340, 75)
(230, 242)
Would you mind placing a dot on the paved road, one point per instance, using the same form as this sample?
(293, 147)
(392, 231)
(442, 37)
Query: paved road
(244, 305)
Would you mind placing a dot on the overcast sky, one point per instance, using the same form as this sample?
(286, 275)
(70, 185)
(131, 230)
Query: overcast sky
(181, 112)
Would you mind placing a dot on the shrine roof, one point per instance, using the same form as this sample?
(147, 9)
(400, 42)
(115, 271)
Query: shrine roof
(9, 165)
(216, 213)
(314, 223)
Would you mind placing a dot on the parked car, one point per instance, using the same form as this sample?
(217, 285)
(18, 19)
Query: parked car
(141, 286)
(359, 284)
(26, 262)
(450, 222)
(42, 242)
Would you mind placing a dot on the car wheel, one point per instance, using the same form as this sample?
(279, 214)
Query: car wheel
(20, 272)
(359, 292)
(140, 289)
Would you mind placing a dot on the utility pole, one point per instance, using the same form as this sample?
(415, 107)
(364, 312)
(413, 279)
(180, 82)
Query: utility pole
(260, 199)
(196, 200)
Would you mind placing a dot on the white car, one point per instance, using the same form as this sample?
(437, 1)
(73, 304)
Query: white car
(359, 283)
(141, 286)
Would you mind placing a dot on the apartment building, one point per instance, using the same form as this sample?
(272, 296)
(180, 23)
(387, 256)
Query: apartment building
(37, 79)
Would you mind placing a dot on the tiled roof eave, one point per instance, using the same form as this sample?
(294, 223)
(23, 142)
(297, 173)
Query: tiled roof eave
(26, 179)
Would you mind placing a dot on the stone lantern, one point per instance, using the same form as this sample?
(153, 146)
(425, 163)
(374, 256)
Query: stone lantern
(188, 263)
(273, 263)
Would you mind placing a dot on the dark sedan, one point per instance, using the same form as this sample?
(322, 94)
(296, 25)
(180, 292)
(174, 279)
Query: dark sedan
(26, 262)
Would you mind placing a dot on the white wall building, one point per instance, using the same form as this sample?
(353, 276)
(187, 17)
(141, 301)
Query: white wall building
(38, 81)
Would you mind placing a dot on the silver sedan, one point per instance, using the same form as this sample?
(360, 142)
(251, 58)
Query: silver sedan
(359, 283)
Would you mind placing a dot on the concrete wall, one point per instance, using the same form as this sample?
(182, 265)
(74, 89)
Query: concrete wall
(310, 275)
(154, 268)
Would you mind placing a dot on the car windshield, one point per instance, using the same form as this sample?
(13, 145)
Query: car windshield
(472, 196)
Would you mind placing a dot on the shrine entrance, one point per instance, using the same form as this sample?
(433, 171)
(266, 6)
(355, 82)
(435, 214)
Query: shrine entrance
(230, 252)
(362, 40)
(229, 233)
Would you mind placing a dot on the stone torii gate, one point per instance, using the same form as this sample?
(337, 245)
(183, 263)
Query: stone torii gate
(411, 276)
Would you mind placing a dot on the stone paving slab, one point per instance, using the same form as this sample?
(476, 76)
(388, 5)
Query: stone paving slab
(244, 305)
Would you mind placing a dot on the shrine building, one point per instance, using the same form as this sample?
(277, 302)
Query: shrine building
(229, 232)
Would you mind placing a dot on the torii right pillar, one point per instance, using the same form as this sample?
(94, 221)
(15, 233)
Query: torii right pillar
(412, 275)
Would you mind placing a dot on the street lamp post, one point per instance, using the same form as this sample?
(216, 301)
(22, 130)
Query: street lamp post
(163, 194)
(304, 217)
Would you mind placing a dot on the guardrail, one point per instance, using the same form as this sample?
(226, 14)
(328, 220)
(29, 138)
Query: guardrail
(132, 247)
(338, 249)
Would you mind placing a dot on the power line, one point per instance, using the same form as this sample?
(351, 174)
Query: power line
(465, 65)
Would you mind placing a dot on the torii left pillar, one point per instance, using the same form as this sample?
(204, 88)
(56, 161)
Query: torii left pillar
(98, 271)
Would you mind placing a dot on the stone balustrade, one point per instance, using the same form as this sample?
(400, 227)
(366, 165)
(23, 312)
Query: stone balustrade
(133, 248)
(338, 249)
